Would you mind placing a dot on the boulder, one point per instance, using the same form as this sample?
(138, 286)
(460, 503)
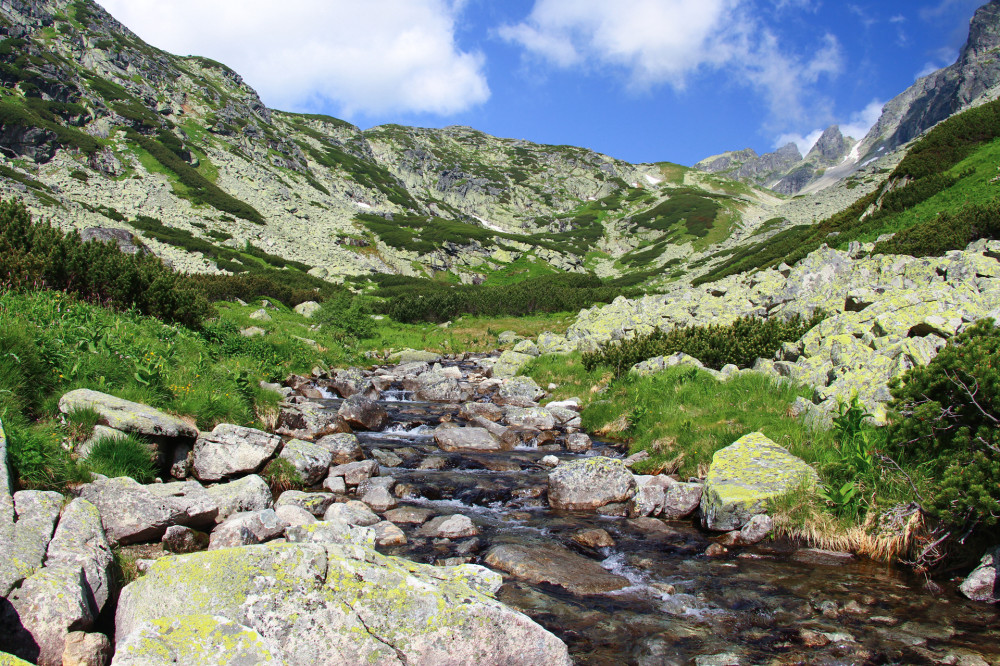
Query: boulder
(231, 450)
(343, 446)
(312, 604)
(756, 529)
(387, 534)
(467, 439)
(436, 386)
(332, 532)
(354, 473)
(310, 460)
(745, 476)
(308, 309)
(509, 364)
(525, 347)
(349, 382)
(449, 527)
(352, 513)
(681, 500)
(130, 512)
(363, 413)
(409, 515)
(590, 483)
(251, 493)
(578, 443)
(80, 541)
(179, 539)
(83, 649)
(983, 584)
(309, 420)
(245, 529)
(519, 391)
(379, 499)
(23, 544)
(538, 418)
(189, 497)
(661, 363)
(556, 565)
(596, 538)
(127, 416)
(294, 516)
(550, 343)
(414, 356)
(486, 410)
(649, 496)
(315, 503)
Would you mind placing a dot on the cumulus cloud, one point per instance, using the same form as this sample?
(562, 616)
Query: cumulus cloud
(377, 56)
(668, 41)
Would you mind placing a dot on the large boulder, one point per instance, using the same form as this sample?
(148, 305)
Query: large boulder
(509, 364)
(362, 413)
(344, 447)
(231, 450)
(314, 604)
(414, 356)
(519, 391)
(129, 512)
(745, 476)
(245, 529)
(983, 584)
(67, 595)
(310, 460)
(251, 493)
(23, 544)
(309, 420)
(437, 386)
(590, 483)
(126, 415)
(467, 439)
(538, 418)
(556, 565)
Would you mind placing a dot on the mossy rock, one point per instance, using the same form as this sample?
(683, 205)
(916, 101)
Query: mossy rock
(745, 476)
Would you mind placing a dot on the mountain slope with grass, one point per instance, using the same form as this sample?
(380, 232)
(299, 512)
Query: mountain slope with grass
(100, 130)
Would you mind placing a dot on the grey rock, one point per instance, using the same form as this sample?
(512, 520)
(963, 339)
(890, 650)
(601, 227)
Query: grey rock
(294, 516)
(83, 649)
(245, 529)
(578, 443)
(386, 458)
(587, 484)
(519, 391)
(23, 544)
(251, 493)
(332, 532)
(79, 541)
(179, 539)
(983, 584)
(681, 500)
(231, 450)
(555, 565)
(379, 499)
(530, 417)
(352, 512)
(363, 413)
(467, 439)
(310, 460)
(127, 416)
(314, 503)
(388, 534)
(343, 446)
(449, 527)
(486, 410)
(356, 472)
(756, 529)
(130, 512)
(312, 604)
(307, 309)
(409, 515)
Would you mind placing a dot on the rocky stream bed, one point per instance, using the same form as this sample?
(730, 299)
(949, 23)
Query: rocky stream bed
(449, 480)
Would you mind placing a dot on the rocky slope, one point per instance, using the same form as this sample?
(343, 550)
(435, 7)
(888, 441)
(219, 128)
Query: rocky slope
(98, 129)
(972, 80)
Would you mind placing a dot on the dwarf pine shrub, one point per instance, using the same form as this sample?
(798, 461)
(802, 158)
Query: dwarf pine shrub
(947, 426)
(740, 343)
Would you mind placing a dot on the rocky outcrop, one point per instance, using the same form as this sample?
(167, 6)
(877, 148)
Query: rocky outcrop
(745, 476)
(983, 584)
(307, 604)
(231, 450)
(127, 416)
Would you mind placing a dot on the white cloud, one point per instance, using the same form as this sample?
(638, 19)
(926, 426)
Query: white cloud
(856, 127)
(363, 57)
(667, 41)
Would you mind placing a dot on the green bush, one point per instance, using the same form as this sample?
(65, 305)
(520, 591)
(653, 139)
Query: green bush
(37, 459)
(348, 313)
(947, 424)
(122, 456)
(36, 255)
(948, 231)
(739, 343)
(281, 475)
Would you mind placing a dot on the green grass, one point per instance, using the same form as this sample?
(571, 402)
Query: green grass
(122, 456)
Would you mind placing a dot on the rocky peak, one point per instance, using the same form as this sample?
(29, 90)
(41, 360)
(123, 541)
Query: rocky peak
(984, 32)
(832, 146)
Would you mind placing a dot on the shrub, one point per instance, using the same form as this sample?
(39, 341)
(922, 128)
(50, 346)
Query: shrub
(740, 343)
(348, 313)
(947, 422)
(81, 422)
(34, 255)
(946, 232)
(122, 456)
(38, 460)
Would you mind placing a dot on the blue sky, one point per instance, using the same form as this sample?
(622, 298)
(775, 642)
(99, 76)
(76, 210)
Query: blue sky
(641, 80)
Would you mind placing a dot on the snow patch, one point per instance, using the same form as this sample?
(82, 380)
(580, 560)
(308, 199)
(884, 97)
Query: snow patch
(362, 204)
(652, 180)
(489, 225)
(854, 155)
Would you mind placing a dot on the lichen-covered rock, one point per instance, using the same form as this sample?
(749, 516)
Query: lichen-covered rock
(207, 640)
(315, 503)
(550, 343)
(313, 604)
(661, 363)
(526, 347)
(509, 364)
(379, 499)
(983, 584)
(344, 447)
(388, 534)
(590, 483)
(231, 450)
(519, 391)
(245, 529)
(23, 544)
(414, 356)
(307, 309)
(354, 473)
(310, 460)
(309, 420)
(681, 500)
(352, 512)
(436, 386)
(127, 416)
(538, 418)
(251, 493)
(746, 475)
(179, 539)
(11, 660)
(363, 413)
(332, 532)
(130, 512)
(80, 540)
(486, 410)
(578, 442)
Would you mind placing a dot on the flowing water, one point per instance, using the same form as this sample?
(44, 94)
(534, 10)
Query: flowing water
(754, 606)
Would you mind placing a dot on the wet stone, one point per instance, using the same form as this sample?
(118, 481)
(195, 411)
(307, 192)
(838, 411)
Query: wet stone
(596, 538)
(449, 527)
(411, 515)
(555, 565)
